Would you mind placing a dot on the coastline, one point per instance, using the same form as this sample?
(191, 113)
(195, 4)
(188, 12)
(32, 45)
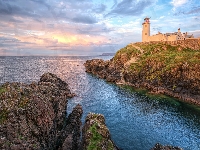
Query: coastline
(159, 90)
(33, 116)
(142, 65)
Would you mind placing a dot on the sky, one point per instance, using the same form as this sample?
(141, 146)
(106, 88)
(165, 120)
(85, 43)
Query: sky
(88, 27)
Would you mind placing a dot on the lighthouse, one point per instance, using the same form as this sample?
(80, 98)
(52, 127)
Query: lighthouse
(146, 30)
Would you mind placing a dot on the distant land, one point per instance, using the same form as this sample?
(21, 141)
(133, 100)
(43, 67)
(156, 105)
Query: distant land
(107, 54)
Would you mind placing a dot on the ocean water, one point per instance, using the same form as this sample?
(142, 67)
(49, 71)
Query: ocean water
(137, 121)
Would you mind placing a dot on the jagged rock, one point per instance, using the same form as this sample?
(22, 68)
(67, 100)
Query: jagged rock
(34, 116)
(73, 129)
(95, 134)
(161, 147)
(103, 69)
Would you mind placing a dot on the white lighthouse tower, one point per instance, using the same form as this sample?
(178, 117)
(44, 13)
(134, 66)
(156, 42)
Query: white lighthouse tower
(146, 30)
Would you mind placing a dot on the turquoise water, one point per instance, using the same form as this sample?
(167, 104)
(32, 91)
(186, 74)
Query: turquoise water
(136, 120)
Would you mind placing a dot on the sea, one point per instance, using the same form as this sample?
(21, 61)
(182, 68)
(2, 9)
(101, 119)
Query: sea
(136, 120)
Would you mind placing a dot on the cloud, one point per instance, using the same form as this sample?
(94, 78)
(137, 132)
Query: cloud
(69, 25)
(130, 7)
(38, 10)
(19, 8)
(161, 17)
(178, 3)
(49, 25)
(196, 33)
(194, 10)
(84, 19)
(6, 8)
(115, 3)
(185, 7)
(100, 8)
(94, 30)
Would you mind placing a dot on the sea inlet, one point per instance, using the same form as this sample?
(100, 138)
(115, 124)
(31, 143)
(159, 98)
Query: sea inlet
(136, 120)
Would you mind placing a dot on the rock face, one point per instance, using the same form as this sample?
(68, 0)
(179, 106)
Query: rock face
(95, 134)
(173, 70)
(161, 147)
(34, 116)
(103, 69)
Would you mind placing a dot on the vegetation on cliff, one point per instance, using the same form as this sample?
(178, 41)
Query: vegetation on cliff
(161, 62)
(96, 135)
(167, 56)
(172, 69)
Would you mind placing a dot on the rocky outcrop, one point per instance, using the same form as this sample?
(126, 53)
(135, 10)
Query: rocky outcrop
(34, 116)
(72, 131)
(103, 69)
(95, 134)
(160, 68)
(161, 147)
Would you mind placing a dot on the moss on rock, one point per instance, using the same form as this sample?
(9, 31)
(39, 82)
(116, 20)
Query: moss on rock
(96, 135)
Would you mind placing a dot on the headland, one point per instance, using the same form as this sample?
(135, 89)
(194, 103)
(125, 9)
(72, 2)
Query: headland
(163, 67)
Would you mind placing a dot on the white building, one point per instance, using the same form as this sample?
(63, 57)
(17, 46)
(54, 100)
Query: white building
(161, 37)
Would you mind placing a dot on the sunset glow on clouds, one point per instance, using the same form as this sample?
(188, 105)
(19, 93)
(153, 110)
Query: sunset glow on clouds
(88, 27)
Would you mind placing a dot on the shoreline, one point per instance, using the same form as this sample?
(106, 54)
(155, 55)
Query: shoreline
(153, 89)
(171, 69)
(159, 90)
(34, 116)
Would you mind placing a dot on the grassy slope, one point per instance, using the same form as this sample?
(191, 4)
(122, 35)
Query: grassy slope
(174, 68)
(164, 55)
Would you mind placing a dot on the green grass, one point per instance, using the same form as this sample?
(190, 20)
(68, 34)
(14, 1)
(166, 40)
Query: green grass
(2, 89)
(110, 145)
(3, 116)
(129, 51)
(167, 56)
(96, 138)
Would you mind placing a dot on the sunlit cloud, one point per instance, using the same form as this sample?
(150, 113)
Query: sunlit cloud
(178, 3)
(87, 27)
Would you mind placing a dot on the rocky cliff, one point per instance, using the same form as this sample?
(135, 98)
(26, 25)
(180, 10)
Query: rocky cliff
(161, 147)
(163, 68)
(34, 116)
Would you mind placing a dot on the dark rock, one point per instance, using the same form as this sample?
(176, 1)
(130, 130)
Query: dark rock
(161, 147)
(34, 116)
(103, 69)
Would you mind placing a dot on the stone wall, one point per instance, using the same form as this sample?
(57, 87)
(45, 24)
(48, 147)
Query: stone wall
(157, 37)
(172, 38)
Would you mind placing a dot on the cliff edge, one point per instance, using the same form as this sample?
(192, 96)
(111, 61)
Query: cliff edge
(171, 69)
